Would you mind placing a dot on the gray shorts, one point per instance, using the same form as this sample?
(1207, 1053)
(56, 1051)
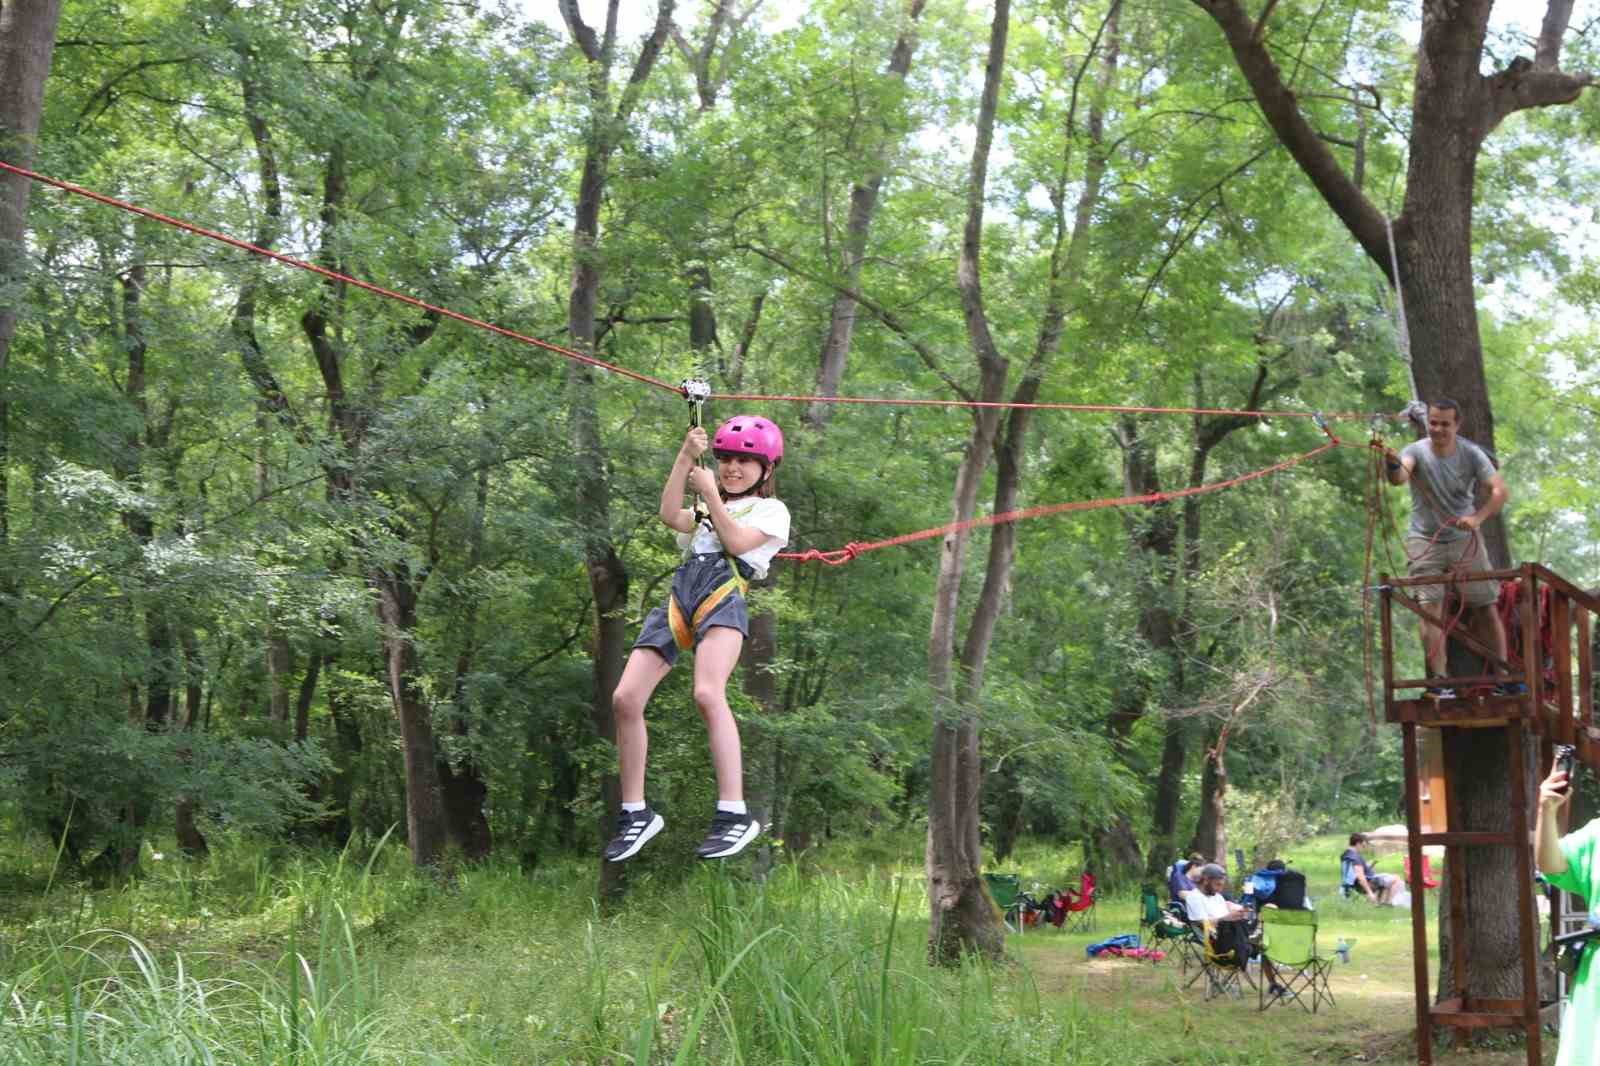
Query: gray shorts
(1438, 557)
(699, 579)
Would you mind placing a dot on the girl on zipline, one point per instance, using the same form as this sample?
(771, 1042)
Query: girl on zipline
(731, 541)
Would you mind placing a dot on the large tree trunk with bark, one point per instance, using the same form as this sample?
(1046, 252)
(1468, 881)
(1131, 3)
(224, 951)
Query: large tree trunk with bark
(1455, 107)
(27, 43)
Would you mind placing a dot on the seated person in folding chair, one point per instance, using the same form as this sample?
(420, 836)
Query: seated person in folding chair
(1357, 872)
(1207, 905)
(1179, 883)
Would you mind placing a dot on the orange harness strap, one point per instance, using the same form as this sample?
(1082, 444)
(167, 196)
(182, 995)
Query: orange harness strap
(683, 629)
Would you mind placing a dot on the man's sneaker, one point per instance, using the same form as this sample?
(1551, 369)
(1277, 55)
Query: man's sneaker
(1511, 688)
(730, 834)
(634, 830)
(1440, 692)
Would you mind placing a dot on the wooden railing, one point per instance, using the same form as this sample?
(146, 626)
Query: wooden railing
(1552, 653)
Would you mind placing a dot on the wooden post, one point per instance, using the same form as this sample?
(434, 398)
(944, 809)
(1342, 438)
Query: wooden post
(1585, 670)
(1525, 923)
(1419, 916)
(1531, 657)
(1385, 616)
(1561, 652)
(1455, 861)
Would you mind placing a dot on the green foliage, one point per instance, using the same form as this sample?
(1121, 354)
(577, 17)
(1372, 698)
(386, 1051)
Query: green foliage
(180, 564)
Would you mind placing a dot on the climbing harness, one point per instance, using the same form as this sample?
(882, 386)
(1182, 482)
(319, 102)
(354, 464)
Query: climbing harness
(684, 629)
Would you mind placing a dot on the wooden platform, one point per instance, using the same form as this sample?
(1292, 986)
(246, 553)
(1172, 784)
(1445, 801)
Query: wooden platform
(1552, 655)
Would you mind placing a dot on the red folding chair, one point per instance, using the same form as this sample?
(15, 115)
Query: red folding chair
(1428, 878)
(1080, 903)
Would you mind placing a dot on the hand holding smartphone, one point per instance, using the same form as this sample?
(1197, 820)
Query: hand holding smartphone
(1565, 755)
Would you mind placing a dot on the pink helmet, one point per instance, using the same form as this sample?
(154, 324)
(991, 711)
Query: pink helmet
(750, 435)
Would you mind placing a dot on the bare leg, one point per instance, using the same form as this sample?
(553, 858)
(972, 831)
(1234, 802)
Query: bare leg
(644, 671)
(714, 661)
(1433, 649)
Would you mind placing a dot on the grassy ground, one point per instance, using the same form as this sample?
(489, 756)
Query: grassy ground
(323, 960)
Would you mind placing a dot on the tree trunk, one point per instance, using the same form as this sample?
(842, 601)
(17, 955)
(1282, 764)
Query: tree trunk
(191, 842)
(1168, 796)
(425, 815)
(465, 790)
(347, 749)
(963, 919)
(1209, 837)
(306, 696)
(608, 577)
(27, 43)
(863, 205)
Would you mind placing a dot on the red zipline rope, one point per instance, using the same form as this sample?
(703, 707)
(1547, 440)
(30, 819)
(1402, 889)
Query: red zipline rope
(851, 551)
(833, 558)
(111, 201)
(246, 246)
(1342, 416)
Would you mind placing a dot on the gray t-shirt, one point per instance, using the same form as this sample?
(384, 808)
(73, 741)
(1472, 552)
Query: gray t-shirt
(1451, 482)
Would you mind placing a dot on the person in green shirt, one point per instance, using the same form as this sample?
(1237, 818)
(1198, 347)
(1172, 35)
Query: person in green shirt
(1572, 863)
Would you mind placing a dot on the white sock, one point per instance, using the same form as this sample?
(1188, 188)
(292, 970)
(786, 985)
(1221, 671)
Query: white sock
(732, 806)
(633, 808)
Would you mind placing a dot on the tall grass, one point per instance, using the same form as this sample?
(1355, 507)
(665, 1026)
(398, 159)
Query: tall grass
(105, 998)
(313, 960)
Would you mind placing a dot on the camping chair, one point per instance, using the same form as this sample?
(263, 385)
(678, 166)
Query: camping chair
(1289, 949)
(1167, 926)
(1429, 880)
(1150, 911)
(1007, 892)
(1347, 878)
(1223, 965)
(1080, 906)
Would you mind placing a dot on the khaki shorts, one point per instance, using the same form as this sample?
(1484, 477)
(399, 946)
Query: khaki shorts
(1436, 557)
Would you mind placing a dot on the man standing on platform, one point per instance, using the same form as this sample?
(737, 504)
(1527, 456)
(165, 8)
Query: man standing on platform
(1447, 474)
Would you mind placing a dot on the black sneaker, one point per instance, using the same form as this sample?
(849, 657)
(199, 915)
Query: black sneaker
(1511, 688)
(1440, 692)
(634, 830)
(730, 834)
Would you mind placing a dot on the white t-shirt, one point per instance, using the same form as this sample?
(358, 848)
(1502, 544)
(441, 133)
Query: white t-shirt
(770, 516)
(1202, 907)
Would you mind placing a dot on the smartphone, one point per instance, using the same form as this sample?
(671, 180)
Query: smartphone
(1564, 759)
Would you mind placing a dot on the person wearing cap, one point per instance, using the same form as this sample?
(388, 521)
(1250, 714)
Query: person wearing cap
(1207, 903)
(1207, 906)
